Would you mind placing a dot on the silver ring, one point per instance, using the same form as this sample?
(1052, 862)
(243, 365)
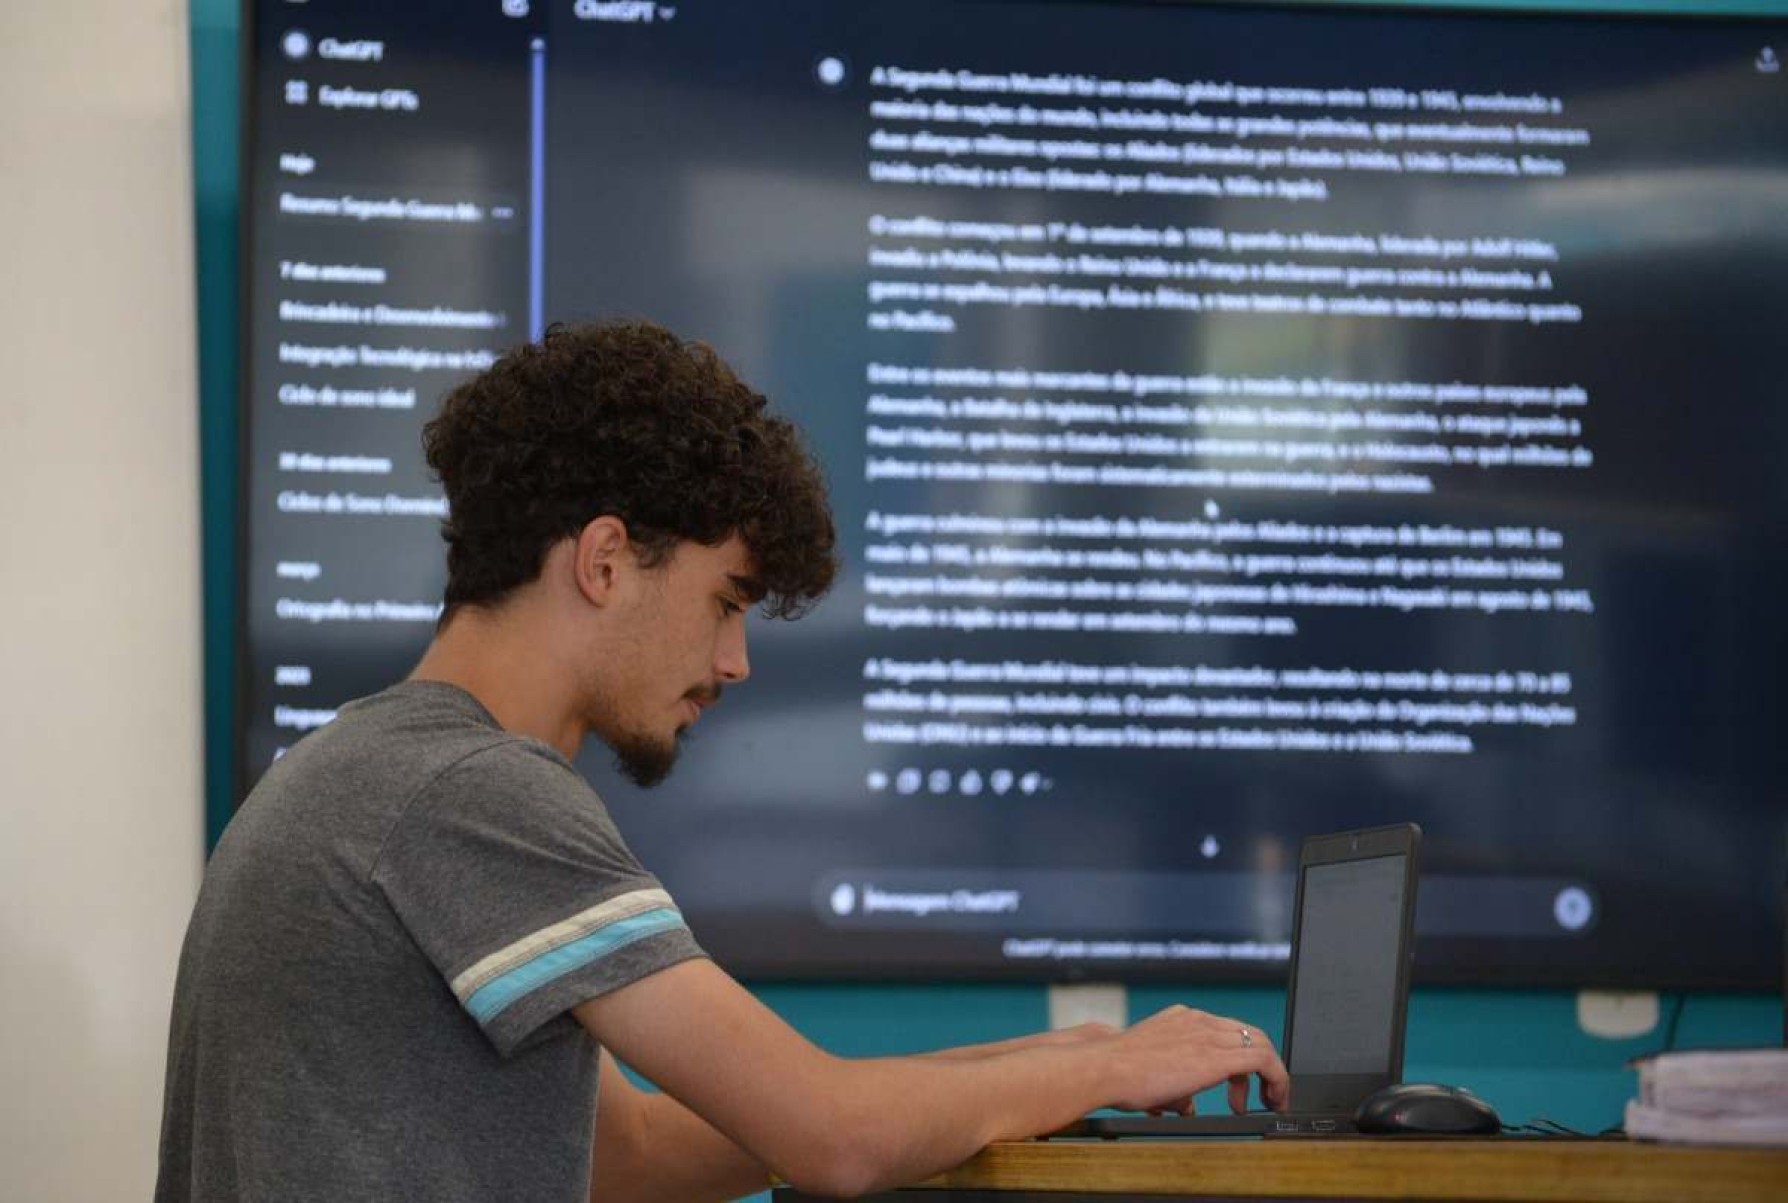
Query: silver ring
(1247, 1038)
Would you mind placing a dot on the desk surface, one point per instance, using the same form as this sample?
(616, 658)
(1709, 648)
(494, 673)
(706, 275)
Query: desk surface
(1506, 1171)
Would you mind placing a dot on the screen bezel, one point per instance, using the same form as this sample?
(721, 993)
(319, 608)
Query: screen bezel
(1342, 1092)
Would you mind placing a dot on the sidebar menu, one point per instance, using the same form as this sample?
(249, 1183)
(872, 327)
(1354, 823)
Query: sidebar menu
(389, 202)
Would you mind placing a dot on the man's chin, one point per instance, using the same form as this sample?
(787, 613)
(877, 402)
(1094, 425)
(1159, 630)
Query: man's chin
(645, 762)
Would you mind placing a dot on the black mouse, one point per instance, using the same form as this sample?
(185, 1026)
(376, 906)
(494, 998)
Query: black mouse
(1424, 1107)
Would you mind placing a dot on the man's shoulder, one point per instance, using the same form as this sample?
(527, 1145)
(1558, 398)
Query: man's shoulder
(384, 751)
(430, 726)
(449, 752)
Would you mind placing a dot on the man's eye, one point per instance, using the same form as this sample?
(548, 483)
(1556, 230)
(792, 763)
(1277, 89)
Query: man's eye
(730, 607)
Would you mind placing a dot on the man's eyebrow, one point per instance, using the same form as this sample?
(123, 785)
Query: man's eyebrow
(749, 587)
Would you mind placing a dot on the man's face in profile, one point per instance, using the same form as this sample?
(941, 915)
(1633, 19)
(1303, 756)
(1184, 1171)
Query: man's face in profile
(679, 639)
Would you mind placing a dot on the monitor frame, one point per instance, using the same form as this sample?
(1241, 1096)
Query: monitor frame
(237, 779)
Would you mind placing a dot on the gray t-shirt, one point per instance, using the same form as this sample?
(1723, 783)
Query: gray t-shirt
(373, 995)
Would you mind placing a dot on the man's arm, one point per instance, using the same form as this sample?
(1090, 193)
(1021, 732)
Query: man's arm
(652, 1149)
(837, 1127)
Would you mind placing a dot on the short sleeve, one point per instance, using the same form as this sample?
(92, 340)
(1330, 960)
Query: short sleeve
(510, 876)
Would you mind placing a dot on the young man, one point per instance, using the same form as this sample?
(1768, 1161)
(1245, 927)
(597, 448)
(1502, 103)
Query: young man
(421, 945)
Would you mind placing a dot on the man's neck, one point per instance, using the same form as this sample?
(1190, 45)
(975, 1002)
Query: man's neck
(509, 670)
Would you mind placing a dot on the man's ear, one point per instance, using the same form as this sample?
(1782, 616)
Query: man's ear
(602, 552)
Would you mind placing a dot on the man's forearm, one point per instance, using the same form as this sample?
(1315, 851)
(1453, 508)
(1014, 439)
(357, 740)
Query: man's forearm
(974, 1052)
(696, 1164)
(649, 1147)
(674, 1156)
(917, 1116)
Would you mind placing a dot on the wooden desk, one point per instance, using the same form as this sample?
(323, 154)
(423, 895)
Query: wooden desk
(1487, 1171)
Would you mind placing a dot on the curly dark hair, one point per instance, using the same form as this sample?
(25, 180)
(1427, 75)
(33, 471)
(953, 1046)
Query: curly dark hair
(623, 419)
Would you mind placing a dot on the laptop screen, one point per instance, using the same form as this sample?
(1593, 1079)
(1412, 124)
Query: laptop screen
(1344, 998)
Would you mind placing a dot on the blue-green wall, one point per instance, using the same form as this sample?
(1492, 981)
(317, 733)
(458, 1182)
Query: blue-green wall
(1522, 1050)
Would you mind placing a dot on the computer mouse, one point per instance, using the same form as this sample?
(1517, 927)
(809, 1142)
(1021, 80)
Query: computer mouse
(1427, 1108)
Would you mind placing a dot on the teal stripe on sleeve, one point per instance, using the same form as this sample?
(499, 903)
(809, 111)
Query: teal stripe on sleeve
(490, 999)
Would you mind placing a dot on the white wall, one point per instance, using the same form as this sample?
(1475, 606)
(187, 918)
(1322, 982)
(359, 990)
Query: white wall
(101, 828)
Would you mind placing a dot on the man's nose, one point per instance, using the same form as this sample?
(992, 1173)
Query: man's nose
(731, 662)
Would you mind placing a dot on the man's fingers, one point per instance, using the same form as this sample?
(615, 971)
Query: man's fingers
(1275, 1082)
(1238, 1093)
(1275, 1095)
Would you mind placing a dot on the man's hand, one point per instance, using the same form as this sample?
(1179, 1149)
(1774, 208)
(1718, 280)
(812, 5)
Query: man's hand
(1161, 1062)
(1160, 1042)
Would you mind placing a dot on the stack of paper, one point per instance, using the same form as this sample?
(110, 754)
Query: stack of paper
(1728, 1098)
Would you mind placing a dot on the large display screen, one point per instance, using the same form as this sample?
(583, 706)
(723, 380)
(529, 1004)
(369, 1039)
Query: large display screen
(1242, 423)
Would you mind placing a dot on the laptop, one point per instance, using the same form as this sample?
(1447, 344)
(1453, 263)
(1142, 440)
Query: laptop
(1352, 942)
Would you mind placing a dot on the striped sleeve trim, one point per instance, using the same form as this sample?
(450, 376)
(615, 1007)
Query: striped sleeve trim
(491, 985)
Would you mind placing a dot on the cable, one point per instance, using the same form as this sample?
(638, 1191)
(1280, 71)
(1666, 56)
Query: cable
(1550, 1129)
(1670, 1028)
(1682, 997)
